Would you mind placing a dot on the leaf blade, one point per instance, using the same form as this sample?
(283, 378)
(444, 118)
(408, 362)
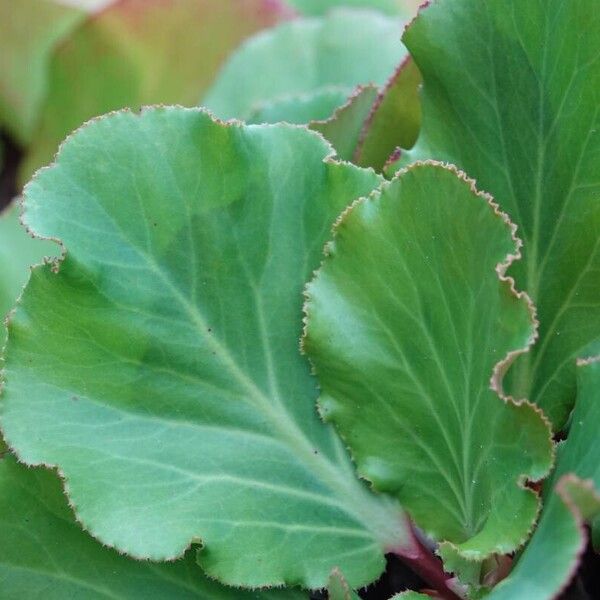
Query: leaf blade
(346, 48)
(406, 294)
(519, 115)
(43, 552)
(571, 496)
(206, 426)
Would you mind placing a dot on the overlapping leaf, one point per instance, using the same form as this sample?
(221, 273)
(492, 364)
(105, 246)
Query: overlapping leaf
(572, 495)
(301, 108)
(338, 588)
(511, 95)
(407, 319)
(18, 251)
(45, 554)
(343, 128)
(344, 49)
(160, 369)
(29, 31)
(394, 118)
(138, 52)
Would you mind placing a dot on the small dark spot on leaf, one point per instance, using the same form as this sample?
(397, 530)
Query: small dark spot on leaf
(75, 398)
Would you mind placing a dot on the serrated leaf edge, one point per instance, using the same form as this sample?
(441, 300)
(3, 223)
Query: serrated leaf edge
(330, 157)
(364, 132)
(501, 366)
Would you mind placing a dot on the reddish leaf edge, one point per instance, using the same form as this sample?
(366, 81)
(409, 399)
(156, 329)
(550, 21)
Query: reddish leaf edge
(397, 153)
(498, 371)
(357, 91)
(366, 128)
(562, 490)
(329, 158)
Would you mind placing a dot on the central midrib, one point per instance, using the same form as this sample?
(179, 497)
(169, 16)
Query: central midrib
(288, 430)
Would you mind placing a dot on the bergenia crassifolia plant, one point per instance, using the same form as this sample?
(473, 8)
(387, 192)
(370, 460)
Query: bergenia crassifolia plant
(306, 324)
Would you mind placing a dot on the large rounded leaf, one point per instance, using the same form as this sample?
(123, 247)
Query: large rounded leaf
(160, 368)
(44, 553)
(511, 96)
(346, 48)
(407, 320)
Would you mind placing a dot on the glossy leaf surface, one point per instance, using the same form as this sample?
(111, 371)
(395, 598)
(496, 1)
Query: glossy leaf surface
(511, 94)
(345, 48)
(160, 368)
(45, 554)
(407, 319)
(572, 496)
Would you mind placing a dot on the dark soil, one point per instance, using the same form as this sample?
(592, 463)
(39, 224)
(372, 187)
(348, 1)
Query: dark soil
(9, 163)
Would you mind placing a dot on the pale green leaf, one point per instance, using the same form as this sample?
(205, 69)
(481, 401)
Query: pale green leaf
(394, 119)
(45, 554)
(139, 52)
(410, 596)
(160, 368)
(552, 555)
(511, 95)
(407, 320)
(343, 128)
(346, 48)
(301, 108)
(18, 251)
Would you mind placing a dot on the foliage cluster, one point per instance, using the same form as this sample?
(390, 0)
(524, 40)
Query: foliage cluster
(346, 305)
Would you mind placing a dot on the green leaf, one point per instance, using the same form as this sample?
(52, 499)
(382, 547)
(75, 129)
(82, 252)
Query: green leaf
(160, 368)
(320, 7)
(301, 108)
(125, 57)
(338, 588)
(552, 556)
(346, 48)
(511, 96)
(410, 596)
(407, 319)
(44, 553)
(18, 251)
(343, 128)
(29, 31)
(394, 119)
